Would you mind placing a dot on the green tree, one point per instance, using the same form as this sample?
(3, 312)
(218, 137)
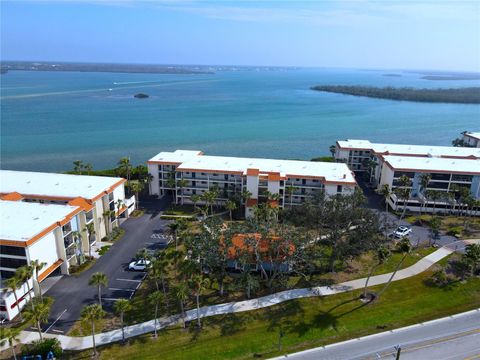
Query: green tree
(209, 197)
(39, 314)
(471, 258)
(181, 292)
(88, 168)
(121, 306)
(125, 167)
(98, 279)
(404, 247)
(37, 266)
(155, 299)
(78, 166)
(182, 183)
(385, 191)
(381, 256)
(137, 187)
(9, 335)
(290, 190)
(403, 192)
(24, 274)
(231, 206)
(89, 229)
(332, 150)
(435, 224)
(107, 215)
(15, 283)
(195, 198)
(173, 228)
(198, 284)
(90, 314)
(424, 182)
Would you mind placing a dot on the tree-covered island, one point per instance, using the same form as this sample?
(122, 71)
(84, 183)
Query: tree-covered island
(470, 95)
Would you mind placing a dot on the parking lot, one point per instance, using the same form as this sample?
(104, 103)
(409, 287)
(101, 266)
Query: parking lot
(72, 293)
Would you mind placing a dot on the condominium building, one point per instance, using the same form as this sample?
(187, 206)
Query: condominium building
(441, 193)
(358, 153)
(34, 231)
(471, 138)
(102, 198)
(185, 173)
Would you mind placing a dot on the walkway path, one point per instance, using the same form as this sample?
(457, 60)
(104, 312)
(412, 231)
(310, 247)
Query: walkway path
(85, 342)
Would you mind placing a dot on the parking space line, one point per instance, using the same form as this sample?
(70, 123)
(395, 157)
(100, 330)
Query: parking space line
(63, 312)
(139, 281)
(118, 289)
(57, 331)
(111, 299)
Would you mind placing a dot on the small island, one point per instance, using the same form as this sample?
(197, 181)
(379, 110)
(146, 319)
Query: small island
(470, 95)
(141, 96)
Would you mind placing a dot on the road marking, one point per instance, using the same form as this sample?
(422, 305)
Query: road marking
(64, 311)
(58, 331)
(111, 299)
(118, 289)
(130, 280)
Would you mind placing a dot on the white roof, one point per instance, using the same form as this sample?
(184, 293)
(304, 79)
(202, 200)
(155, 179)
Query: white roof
(54, 185)
(433, 164)
(178, 156)
(22, 221)
(474, 135)
(402, 149)
(334, 172)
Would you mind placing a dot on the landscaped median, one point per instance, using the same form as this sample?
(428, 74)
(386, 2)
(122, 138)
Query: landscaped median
(232, 331)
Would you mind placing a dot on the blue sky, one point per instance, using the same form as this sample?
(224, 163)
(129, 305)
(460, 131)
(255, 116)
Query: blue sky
(354, 34)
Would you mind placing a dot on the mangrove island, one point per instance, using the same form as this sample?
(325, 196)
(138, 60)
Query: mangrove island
(470, 95)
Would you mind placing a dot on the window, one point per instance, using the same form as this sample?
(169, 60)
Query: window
(13, 263)
(12, 250)
(339, 188)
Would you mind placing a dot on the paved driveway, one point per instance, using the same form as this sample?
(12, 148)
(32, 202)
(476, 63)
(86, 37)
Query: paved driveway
(72, 293)
(419, 234)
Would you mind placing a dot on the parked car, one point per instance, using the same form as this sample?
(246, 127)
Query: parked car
(402, 231)
(139, 265)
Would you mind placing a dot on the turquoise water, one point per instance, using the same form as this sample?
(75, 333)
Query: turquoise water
(50, 119)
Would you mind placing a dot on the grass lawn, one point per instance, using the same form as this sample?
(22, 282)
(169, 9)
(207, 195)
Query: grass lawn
(306, 323)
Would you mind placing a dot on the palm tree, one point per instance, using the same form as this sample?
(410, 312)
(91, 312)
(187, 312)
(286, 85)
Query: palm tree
(157, 271)
(290, 190)
(92, 313)
(37, 266)
(381, 256)
(231, 206)
(10, 336)
(403, 192)
(25, 273)
(424, 181)
(88, 168)
(173, 227)
(77, 166)
(15, 283)
(98, 279)
(195, 198)
(181, 293)
(39, 315)
(107, 214)
(198, 283)
(121, 306)
(404, 246)
(90, 230)
(209, 197)
(332, 150)
(125, 167)
(137, 187)
(156, 298)
(386, 192)
(181, 183)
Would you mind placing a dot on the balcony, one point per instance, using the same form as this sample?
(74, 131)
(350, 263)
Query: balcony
(89, 216)
(71, 252)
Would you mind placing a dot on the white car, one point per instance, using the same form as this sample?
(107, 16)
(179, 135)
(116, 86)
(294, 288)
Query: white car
(402, 231)
(139, 265)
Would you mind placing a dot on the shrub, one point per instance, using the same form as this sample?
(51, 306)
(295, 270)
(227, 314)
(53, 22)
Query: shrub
(440, 278)
(103, 250)
(454, 230)
(42, 348)
(114, 235)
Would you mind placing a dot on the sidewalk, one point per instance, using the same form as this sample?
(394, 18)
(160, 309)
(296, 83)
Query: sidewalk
(85, 342)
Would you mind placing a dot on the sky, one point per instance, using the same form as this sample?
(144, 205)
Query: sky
(436, 35)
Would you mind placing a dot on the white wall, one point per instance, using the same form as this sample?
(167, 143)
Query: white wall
(44, 250)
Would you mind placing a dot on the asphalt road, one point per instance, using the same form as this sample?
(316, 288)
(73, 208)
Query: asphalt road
(72, 293)
(456, 337)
